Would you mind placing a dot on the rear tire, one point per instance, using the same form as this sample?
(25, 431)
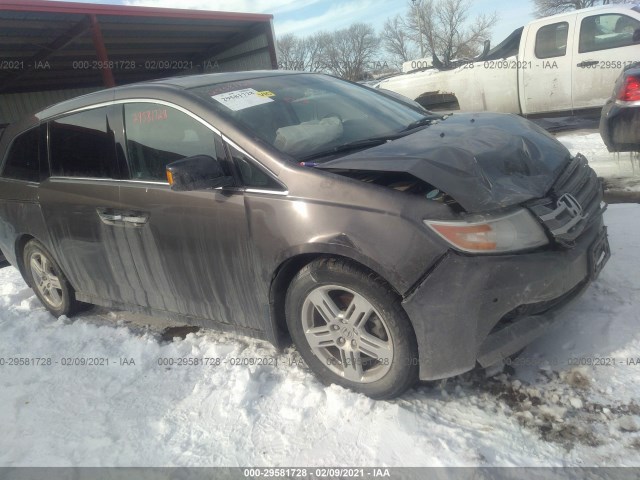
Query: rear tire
(48, 281)
(351, 329)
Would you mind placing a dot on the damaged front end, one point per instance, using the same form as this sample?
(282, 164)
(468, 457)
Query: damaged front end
(484, 161)
(526, 233)
(573, 203)
(487, 167)
(402, 182)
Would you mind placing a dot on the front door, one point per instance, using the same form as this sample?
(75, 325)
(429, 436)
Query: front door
(603, 46)
(191, 251)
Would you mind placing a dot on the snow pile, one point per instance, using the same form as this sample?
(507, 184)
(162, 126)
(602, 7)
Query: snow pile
(544, 410)
(605, 163)
(625, 184)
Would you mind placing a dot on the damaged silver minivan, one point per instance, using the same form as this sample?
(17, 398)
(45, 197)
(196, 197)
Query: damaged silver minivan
(389, 243)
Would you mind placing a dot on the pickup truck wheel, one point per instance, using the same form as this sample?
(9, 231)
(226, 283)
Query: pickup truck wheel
(351, 329)
(47, 280)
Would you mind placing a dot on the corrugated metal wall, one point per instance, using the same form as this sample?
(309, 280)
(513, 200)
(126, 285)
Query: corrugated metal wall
(14, 106)
(250, 55)
(256, 43)
(250, 61)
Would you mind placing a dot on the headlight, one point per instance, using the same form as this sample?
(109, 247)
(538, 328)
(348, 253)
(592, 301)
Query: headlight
(511, 232)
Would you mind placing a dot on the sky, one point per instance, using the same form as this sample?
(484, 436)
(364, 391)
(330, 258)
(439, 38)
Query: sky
(303, 17)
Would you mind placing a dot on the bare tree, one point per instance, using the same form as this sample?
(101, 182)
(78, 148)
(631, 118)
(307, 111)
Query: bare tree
(347, 52)
(314, 52)
(396, 41)
(290, 53)
(421, 24)
(295, 53)
(443, 28)
(544, 8)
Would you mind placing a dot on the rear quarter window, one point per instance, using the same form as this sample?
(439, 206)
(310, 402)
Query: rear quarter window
(551, 40)
(23, 158)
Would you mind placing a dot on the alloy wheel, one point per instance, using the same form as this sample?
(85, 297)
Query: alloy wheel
(347, 333)
(46, 280)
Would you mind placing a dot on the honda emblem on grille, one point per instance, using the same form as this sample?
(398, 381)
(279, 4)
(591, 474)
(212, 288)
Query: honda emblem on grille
(570, 204)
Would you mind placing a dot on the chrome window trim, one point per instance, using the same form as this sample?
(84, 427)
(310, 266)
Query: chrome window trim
(163, 184)
(82, 179)
(94, 179)
(138, 100)
(283, 193)
(149, 182)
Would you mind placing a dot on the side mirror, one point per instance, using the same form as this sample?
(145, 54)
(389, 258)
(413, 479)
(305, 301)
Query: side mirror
(636, 36)
(200, 172)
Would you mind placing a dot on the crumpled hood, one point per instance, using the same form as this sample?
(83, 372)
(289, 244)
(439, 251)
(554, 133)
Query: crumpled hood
(485, 161)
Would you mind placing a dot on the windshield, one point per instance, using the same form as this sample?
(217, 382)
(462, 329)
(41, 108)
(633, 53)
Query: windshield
(307, 114)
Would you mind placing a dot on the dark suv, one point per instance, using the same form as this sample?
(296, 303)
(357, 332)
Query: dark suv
(388, 243)
(620, 117)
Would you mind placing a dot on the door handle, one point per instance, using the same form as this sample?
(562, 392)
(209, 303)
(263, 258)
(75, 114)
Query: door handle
(115, 217)
(588, 63)
(109, 217)
(137, 220)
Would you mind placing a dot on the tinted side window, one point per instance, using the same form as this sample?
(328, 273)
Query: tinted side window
(251, 175)
(23, 158)
(551, 40)
(602, 32)
(82, 145)
(158, 135)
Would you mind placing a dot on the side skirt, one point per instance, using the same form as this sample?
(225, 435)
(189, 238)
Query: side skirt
(178, 317)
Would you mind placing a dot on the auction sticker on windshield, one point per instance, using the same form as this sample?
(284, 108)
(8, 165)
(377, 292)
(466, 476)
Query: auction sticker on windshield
(241, 99)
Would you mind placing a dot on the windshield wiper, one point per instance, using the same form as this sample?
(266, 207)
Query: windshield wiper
(421, 122)
(366, 143)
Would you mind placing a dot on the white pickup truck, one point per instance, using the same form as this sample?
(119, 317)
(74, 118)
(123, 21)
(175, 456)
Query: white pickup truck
(564, 63)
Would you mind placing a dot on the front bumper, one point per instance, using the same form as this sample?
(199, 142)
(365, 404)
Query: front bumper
(481, 309)
(620, 127)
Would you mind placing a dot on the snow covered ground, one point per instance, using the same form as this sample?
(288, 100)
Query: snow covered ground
(543, 411)
(625, 167)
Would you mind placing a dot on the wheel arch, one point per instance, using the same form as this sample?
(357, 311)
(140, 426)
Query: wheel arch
(439, 101)
(289, 267)
(20, 244)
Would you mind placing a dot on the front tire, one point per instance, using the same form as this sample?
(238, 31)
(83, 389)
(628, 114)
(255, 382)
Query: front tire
(351, 329)
(48, 281)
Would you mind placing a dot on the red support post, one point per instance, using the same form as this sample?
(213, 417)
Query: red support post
(101, 53)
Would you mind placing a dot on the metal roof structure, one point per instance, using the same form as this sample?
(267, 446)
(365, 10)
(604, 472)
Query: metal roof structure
(53, 45)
